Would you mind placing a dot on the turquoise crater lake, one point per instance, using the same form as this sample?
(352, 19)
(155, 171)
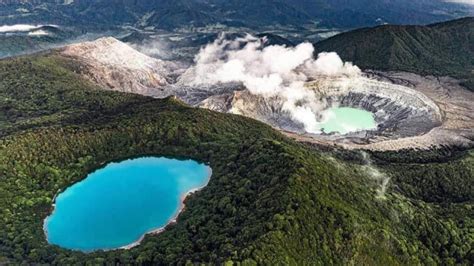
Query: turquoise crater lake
(114, 207)
(344, 120)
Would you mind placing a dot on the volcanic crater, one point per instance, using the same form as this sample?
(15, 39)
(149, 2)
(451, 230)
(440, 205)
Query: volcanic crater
(410, 111)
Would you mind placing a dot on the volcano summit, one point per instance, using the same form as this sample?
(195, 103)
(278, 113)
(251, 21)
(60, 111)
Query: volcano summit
(292, 93)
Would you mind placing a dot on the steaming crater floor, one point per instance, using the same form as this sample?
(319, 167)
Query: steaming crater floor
(418, 112)
(410, 111)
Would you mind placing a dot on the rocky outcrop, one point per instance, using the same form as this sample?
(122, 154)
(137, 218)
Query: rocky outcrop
(116, 66)
(267, 110)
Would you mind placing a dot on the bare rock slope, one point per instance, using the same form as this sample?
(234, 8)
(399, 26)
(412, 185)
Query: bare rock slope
(114, 65)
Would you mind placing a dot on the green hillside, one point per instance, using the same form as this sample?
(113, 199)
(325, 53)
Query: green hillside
(172, 14)
(270, 200)
(439, 49)
(12, 44)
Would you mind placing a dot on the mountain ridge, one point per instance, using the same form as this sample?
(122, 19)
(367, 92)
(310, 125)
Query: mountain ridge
(167, 14)
(441, 49)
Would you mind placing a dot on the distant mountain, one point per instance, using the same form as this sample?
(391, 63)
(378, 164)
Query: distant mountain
(358, 13)
(438, 49)
(35, 39)
(170, 14)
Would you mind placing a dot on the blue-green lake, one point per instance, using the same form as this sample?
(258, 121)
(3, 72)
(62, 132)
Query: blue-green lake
(344, 120)
(114, 207)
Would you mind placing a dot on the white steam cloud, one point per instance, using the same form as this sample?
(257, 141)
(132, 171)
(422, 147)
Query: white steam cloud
(272, 71)
(466, 2)
(33, 30)
(155, 48)
(382, 179)
(38, 33)
(18, 27)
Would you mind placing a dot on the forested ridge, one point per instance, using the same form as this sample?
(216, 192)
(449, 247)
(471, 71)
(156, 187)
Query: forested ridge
(442, 49)
(270, 199)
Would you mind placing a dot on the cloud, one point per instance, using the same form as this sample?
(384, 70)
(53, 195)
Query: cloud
(155, 48)
(19, 27)
(382, 179)
(22, 27)
(272, 71)
(38, 33)
(467, 2)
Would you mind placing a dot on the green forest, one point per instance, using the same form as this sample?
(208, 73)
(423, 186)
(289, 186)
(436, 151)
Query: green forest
(270, 199)
(442, 49)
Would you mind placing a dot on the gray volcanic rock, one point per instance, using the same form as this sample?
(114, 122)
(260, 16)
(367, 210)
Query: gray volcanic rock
(116, 66)
(399, 111)
(244, 103)
(449, 122)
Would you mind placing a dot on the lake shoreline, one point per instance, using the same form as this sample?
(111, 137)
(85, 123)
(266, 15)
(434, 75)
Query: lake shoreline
(172, 220)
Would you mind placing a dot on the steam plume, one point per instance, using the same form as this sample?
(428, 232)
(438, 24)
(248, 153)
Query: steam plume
(382, 179)
(155, 48)
(466, 2)
(20, 28)
(272, 71)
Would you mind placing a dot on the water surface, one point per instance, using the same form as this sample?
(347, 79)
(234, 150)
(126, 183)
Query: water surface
(116, 205)
(346, 119)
